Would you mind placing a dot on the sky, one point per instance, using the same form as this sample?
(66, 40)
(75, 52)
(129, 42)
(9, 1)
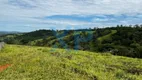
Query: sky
(30, 15)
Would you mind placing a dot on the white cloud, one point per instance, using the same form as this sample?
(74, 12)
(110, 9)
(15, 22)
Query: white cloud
(69, 7)
(23, 11)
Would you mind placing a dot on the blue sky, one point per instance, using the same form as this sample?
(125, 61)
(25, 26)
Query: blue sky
(29, 15)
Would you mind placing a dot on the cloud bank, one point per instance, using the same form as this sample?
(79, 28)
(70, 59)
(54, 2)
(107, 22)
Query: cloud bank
(27, 15)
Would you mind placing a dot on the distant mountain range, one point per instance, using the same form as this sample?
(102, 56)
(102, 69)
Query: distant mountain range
(8, 32)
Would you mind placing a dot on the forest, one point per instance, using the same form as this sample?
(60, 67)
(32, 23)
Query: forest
(118, 40)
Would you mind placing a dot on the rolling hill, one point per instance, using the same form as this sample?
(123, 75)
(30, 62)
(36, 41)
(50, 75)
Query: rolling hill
(120, 40)
(19, 62)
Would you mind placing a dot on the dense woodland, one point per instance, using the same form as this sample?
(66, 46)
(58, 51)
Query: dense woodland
(120, 40)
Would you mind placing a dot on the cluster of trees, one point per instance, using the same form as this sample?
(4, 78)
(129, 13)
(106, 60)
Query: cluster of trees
(120, 40)
(125, 41)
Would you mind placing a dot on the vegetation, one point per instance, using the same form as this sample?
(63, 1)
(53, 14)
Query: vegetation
(120, 40)
(42, 63)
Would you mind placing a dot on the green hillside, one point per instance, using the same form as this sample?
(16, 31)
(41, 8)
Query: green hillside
(108, 36)
(120, 40)
(42, 63)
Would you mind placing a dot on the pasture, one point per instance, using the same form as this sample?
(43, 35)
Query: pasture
(41, 63)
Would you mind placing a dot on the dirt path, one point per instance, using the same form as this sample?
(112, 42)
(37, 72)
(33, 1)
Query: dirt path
(2, 68)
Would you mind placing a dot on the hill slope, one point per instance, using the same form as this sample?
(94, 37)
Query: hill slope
(35, 63)
(120, 40)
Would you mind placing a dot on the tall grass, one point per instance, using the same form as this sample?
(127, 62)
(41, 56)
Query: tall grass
(41, 63)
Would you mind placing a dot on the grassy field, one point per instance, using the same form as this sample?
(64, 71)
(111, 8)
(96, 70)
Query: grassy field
(107, 36)
(41, 63)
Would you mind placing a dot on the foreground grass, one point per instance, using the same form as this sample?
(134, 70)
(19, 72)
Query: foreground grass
(41, 63)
